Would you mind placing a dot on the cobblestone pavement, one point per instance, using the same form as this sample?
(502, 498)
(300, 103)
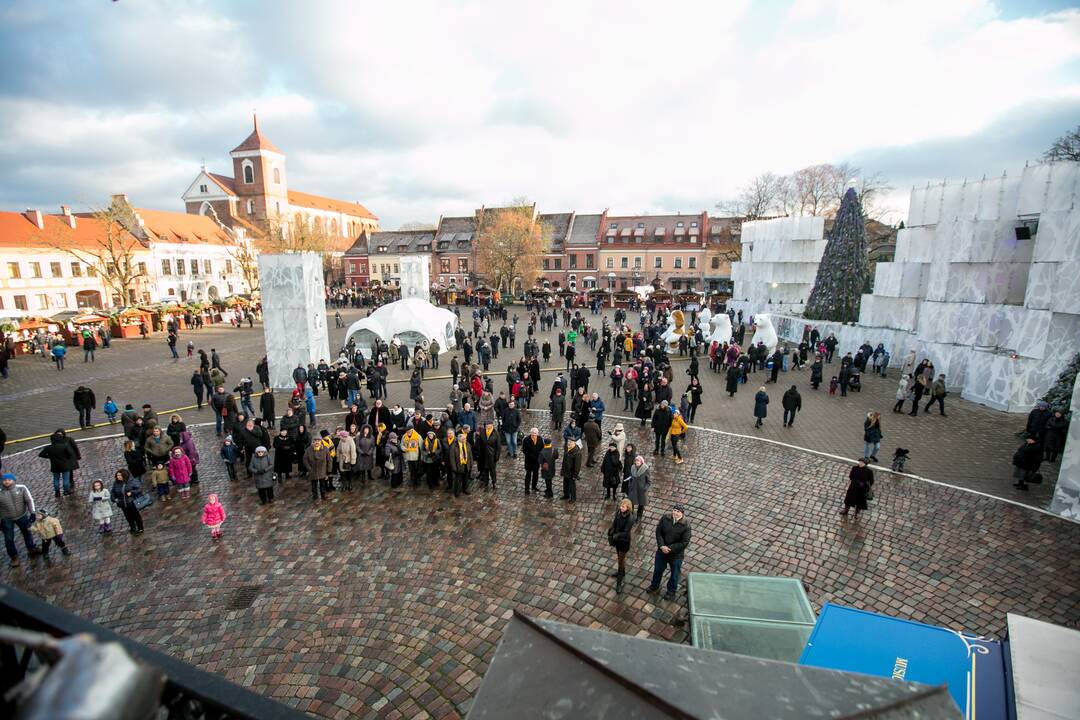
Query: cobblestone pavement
(382, 603)
(972, 447)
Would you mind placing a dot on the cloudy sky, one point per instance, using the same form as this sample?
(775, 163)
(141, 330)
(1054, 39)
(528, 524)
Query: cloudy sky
(417, 109)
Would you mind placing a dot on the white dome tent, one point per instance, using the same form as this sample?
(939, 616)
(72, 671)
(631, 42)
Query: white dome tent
(410, 320)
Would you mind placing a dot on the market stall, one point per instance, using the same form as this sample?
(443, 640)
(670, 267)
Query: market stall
(604, 296)
(127, 322)
(73, 322)
(624, 298)
(23, 331)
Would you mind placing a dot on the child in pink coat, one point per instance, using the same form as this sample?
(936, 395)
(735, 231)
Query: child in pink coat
(180, 471)
(213, 514)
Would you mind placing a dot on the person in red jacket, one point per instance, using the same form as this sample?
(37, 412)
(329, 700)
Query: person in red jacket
(213, 515)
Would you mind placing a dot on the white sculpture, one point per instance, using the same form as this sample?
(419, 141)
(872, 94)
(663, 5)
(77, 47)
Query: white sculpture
(676, 329)
(764, 332)
(721, 329)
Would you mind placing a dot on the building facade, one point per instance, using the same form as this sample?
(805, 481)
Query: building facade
(639, 249)
(385, 250)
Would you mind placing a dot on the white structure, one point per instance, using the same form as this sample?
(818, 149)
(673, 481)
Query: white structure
(411, 320)
(294, 313)
(416, 277)
(1066, 500)
(985, 283)
(779, 264)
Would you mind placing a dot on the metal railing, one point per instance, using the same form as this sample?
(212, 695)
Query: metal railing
(189, 693)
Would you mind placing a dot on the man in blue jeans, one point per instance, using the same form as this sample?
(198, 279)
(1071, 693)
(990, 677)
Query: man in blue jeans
(16, 510)
(672, 537)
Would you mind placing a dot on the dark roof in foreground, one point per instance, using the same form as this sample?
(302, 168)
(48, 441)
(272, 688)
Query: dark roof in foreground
(545, 669)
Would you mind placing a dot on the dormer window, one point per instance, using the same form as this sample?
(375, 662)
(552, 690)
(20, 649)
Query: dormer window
(641, 225)
(382, 248)
(678, 224)
(693, 224)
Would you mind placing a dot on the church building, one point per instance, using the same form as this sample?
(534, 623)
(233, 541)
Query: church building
(257, 197)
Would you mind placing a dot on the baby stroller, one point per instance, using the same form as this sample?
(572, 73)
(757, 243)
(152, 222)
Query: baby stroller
(899, 458)
(855, 382)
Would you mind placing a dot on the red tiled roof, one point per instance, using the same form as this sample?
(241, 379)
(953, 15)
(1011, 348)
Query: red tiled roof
(181, 227)
(17, 231)
(318, 202)
(256, 141)
(225, 182)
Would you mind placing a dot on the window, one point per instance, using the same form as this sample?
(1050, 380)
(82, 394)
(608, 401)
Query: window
(547, 264)
(641, 225)
(678, 224)
(20, 302)
(14, 272)
(43, 301)
(61, 300)
(623, 263)
(691, 262)
(693, 224)
(54, 269)
(462, 265)
(363, 267)
(249, 172)
(658, 262)
(180, 266)
(183, 295)
(202, 188)
(610, 263)
(228, 267)
(35, 269)
(208, 267)
(637, 263)
(251, 207)
(716, 263)
(76, 269)
(277, 207)
(676, 285)
(396, 266)
(558, 263)
(92, 272)
(573, 261)
(613, 226)
(589, 262)
(277, 176)
(444, 265)
(194, 267)
(678, 263)
(166, 267)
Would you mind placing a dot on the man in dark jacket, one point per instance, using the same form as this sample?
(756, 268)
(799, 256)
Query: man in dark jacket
(61, 455)
(571, 468)
(225, 411)
(486, 452)
(84, 402)
(592, 434)
(530, 449)
(249, 437)
(661, 424)
(1026, 461)
(792, 403)
(266, 407)
(549, 456)
(672, 538)
(300, 377)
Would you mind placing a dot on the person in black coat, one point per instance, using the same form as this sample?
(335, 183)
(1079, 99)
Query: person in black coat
(661, 424)
(1026, 461)
(62, 462)
(1054, 436)
(619, 536)
(816, 372)
(732, 381)
(84, 402)
(266, 407)
(611, 471)
(860, 480)
(1037, 419)
(284, 455)
(792, 403)
(530, 449)
(486, 452)
(199, 388)
(672, 539)
(761, 405)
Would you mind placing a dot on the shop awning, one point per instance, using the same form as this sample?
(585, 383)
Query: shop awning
(864, 642)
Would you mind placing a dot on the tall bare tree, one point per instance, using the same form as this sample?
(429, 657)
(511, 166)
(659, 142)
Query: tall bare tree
(1066, 147)
(510, 245)
(243, 252)
(766, 195)
(111, 254)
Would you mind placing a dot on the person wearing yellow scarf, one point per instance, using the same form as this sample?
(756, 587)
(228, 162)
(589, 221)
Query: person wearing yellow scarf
(462, 457)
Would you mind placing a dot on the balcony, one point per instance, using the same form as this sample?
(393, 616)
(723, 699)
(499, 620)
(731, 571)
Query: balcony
(188, 693)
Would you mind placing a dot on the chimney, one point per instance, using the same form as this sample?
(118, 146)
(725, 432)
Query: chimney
(34, 216)
(65, 212)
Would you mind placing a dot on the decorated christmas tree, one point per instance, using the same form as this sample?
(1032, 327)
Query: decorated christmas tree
(1059, 396)
(844, 271)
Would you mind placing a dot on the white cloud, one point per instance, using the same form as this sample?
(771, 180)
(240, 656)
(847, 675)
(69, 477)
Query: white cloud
(429, 108)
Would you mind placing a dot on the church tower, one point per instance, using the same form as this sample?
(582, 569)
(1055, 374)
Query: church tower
(259, 179)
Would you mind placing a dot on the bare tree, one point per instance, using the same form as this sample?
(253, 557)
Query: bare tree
(766, 195)
(243, 253)
(112, 252)
(871, 189)
(1066, 147)
(510, 245)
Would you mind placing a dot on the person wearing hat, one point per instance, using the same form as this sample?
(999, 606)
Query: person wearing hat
(262, 470)
(571, 468)
(431, 457)
(672, 538)
(394, 461)
(460, 456)
(486, 451)
(611, 470)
